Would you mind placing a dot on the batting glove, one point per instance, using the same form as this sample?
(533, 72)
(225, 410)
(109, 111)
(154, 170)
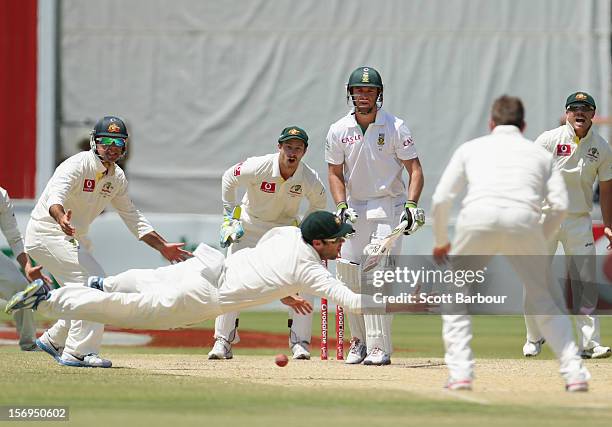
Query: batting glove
(414, 215)
(345, 213)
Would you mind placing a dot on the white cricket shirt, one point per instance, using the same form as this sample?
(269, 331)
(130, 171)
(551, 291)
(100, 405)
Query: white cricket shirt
(580, 161)
(81, 184)
(507, 178)
(282, 264)
(372, 162)
(269, 197)
(8, 223)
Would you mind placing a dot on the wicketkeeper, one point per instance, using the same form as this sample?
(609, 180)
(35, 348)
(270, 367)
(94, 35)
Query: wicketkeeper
(275, 185)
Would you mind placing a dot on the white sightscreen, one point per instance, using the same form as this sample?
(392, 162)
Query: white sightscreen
(204, 84)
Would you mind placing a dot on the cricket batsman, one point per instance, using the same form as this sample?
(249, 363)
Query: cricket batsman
(366, 152)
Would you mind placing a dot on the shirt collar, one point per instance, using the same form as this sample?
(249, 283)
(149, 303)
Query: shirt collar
(572, 133)
(505, 130)
(276, 173)
(99, 167)
(379, 121)
(311, 250)
(276, 166)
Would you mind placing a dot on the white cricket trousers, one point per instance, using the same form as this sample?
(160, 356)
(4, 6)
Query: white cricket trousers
(11, 282)
(377, 218)
(71, 263)
(167, 297)
(576, 238)
(539, 297)
(226, 325)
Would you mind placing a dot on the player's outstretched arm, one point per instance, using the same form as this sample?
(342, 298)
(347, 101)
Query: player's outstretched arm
(173, 252)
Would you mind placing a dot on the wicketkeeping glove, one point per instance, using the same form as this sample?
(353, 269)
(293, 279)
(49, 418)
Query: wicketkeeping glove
(231, 229)
(345, 213)
(414, 215)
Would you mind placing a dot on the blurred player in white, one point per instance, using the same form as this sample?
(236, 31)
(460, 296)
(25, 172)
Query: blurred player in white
(285, 261)
(582, 156)
(366, 152)
(507, 177)
(56, 237)
(275, 185)
(11, 279)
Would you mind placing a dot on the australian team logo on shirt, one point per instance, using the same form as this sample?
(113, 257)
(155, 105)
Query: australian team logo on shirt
(89, 185)
(107, 189)
(593, 154)
(296, 190)
(564, 150)
(268, 187)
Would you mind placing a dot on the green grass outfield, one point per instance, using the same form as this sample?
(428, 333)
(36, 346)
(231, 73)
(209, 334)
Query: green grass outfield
(134, 397)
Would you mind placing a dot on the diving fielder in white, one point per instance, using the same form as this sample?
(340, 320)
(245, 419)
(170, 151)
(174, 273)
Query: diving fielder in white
(366, 152)
(582, 156)
(275, 185)
(56, 236)
(11, 279)
(507, 177)
(285, 261)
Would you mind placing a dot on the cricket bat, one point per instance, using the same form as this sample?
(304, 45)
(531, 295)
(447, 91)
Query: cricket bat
(376, 251)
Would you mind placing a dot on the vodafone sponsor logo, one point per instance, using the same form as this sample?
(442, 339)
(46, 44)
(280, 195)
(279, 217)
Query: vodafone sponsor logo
(89, 185)
(564, 150)
(351, 139)
(268, 187)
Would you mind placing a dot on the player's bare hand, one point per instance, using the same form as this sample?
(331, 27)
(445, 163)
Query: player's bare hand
(33, 273)
(298, 304)
(608, 234)
(440, 253)
(64, 223)
(174, 253)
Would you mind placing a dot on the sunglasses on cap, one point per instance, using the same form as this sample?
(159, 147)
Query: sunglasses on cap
(581, 108)
(119, 142)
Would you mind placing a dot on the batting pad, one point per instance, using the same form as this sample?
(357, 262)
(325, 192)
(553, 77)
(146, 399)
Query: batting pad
(350, 274)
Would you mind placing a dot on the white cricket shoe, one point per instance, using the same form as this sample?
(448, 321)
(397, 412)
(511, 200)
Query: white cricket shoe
(30, 297)
(48, 346)
(377, 357)
(300, 352)
(96, 282)
(221, 350)
(91, 360)
(459, 384)
(533, 348)
(597, 352)
(357, 352)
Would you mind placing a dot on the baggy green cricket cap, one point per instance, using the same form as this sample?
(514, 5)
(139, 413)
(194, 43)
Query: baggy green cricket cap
(293, 132)
(324, 225)
(580, 98)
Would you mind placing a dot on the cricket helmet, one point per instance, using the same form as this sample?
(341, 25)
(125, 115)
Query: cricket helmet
(365, 77)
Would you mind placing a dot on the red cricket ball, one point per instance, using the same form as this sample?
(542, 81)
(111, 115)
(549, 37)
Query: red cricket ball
(281, 360)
